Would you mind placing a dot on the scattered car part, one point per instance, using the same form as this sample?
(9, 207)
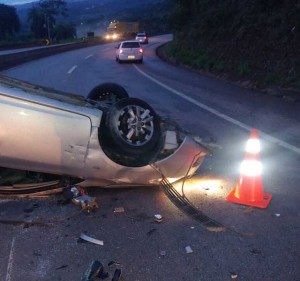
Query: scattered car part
(91, 240)
(94, 270)
(119, 210)
(158, 218)
(187, 207)
(188, 250)
(117, 275)
(87, 203)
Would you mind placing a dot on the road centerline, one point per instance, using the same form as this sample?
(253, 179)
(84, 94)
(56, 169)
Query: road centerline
(219, 114)
(10, 260)
(72, 69)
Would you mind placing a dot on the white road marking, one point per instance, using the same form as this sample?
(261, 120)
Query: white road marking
(10, 260)
(87, 57)
(219, 114)
(72, 69)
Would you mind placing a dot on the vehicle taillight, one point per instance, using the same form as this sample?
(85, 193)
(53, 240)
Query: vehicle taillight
(141, 51)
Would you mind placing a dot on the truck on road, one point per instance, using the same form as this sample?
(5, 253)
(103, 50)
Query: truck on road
(117, 30)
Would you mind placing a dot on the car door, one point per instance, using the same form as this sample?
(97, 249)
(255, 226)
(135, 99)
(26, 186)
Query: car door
(42, 136)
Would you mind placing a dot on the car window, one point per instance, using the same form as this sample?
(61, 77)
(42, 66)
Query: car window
(141, 35)
(131, 45)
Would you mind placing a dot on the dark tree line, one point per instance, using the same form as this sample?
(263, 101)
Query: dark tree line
(259, 38)
(9, 21)
(42, 20)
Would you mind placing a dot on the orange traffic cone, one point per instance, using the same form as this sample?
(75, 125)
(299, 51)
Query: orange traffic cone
(249, 190)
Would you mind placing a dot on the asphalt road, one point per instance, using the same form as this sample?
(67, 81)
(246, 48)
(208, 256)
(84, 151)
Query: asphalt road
(258, 244)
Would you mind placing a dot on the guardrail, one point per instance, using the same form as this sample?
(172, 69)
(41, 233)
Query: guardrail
(10, 60)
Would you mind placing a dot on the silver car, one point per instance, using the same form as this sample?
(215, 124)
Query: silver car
(107, 139)
(142, 38)
(129, 51)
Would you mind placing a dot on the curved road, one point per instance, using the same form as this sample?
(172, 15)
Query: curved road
(221, 114)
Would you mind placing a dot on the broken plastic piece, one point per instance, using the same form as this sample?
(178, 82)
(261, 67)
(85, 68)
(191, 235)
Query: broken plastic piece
(87, 203)
(188, 250)
(75, 191)
(111, 263)
(91, 240)
(162, 252)
(158, 218)
(117, 275)
(119, 210)
(95, 270)
(170, 140)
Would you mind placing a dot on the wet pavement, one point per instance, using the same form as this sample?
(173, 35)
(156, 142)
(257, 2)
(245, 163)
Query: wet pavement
(40, 238)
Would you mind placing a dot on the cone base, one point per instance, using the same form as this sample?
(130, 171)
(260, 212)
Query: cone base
(259, 204)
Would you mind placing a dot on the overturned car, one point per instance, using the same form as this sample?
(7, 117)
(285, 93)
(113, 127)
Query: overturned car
(106, 139)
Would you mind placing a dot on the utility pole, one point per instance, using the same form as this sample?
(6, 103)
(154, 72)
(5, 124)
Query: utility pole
(47, 25)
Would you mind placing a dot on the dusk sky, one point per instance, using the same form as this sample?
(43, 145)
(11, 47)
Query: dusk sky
(16, 2)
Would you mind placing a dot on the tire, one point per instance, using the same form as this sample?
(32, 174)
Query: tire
(106, 94)
(133, 126)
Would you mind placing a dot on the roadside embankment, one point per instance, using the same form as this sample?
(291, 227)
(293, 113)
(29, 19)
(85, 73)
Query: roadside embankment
(292, 95)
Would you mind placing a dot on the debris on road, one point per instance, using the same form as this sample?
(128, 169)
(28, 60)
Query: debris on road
(117, 274)
(158, 218)
(162, 253)
(150, 232)
(87, 203)
(79, 196)
(233, 275)
(276, 215)
(91, 240)
(94, 270)
(119, 210)
(188, 250)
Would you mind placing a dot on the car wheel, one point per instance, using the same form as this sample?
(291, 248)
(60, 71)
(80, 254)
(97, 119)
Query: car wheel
(106, 94)
(133, 126)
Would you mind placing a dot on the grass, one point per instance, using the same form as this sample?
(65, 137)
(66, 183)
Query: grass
(195, 58)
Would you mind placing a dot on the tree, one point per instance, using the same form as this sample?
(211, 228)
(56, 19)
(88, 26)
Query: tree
(64, 31)
(9, 21)
(42, 17)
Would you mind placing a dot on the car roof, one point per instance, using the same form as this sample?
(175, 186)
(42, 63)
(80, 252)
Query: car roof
(130, 41)
(130, 44)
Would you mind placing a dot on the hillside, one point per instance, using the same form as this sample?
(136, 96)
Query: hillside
(255, 41)
(95, 15)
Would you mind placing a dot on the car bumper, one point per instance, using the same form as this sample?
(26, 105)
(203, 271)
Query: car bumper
(183, 162)
(130, 57)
